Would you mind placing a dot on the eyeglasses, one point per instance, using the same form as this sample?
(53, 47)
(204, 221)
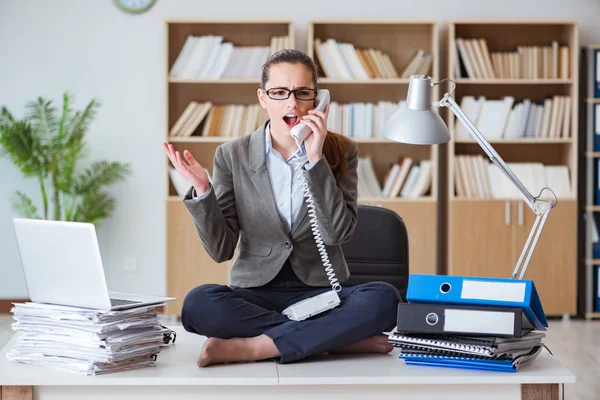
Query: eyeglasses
(303, 94)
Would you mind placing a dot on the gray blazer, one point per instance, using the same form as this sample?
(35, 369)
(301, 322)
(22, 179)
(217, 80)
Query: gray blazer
(241, 206)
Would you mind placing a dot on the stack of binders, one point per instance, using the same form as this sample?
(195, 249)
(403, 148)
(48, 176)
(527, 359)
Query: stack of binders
(85, 341)
(469, 322)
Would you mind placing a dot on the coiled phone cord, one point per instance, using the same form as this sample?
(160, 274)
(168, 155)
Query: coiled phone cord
(335, 285)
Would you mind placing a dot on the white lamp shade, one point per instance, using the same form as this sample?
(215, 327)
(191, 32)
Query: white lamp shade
(416, 127)
(415, 122)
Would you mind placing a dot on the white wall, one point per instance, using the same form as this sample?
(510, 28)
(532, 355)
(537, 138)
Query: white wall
(94, 50)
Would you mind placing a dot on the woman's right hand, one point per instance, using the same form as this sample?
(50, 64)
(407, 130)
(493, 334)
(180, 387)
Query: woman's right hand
(190, 170)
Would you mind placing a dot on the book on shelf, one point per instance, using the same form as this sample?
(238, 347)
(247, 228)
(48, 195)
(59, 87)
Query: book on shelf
(508, 119)
(594, 235)
(360, 120)
(342, 60)
(475, 60)
(475, 177)
(225, 120)
(596, 117)
(597, 288)
(209, 57)
(407, 178)
(419, 64)
(595, 91)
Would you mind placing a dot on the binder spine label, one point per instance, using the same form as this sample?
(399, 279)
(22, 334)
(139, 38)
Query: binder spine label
(490, 322)
(494, 291)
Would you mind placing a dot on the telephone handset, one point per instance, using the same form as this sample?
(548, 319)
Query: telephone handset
(301, 131)
(330, 299)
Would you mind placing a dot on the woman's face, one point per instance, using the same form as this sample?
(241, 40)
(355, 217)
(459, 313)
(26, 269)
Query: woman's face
(284, 114)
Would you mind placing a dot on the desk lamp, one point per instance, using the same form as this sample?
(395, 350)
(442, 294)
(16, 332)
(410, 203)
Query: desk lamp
(416, 123)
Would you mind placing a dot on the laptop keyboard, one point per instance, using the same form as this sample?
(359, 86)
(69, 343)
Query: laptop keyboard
(122, 302)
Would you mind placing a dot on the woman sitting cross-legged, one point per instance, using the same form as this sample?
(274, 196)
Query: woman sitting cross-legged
(256, 197)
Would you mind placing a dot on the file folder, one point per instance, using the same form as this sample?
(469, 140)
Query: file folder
(597, 287)
(500, 292)
(597, 74)
(502, 364)
(462, 320)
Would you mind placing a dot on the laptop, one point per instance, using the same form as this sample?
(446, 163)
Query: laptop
(62, 265)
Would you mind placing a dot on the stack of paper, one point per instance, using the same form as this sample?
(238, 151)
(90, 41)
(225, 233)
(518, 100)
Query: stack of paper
(86, 341)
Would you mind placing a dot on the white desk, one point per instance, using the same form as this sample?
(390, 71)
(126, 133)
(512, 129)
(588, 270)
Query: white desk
(176, 376)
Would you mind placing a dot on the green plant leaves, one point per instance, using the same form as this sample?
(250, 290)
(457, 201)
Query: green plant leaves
(50, 147)
(23, 204)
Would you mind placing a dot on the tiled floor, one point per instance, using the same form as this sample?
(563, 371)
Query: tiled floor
(574, 342)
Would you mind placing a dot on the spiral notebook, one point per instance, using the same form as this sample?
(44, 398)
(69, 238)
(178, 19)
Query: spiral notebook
(473, 362)
(489, 347)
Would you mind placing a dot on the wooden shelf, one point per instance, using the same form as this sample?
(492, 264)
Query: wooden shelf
(329, 81)
(588, 184)
(201, 139)
(188, 264)
(221, 81)
(419, 214)
(425, 199)
(512, 22)
(380, 81)
(465, 199)
(223, 139)
(478, 227)
(472, 81)
(519, 141)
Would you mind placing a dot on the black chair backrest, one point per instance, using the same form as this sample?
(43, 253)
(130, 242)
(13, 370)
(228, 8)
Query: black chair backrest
(378, 250)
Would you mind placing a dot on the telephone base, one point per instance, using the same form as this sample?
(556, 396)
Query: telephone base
(312, 306)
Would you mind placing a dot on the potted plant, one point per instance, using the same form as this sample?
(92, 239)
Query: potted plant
(49, 146)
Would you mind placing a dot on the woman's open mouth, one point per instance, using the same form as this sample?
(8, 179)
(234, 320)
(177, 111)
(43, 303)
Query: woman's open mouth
(291, 120)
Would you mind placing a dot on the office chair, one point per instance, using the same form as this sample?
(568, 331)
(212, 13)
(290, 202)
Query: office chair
(378, 250)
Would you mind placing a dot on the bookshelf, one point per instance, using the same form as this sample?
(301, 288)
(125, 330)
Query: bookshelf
(487, 228)
(420, 214)
(188, 264)
(591, 157)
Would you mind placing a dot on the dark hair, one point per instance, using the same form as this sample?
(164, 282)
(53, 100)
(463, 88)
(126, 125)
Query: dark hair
(336, 146)
(289, 56)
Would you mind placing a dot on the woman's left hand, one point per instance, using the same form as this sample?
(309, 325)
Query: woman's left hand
(317, 121)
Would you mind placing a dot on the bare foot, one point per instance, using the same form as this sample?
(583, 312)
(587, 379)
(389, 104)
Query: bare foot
(374, 344)
(218, 351)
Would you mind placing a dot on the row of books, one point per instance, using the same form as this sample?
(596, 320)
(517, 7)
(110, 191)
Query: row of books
(488, 329)
(86, 341)
(476, 177)
(360, 120)
(408, 178)
(345, 61)
(496, 119)
(595, 254)
(209, 57)
(526, 62)
(227, 120)
(504, 118)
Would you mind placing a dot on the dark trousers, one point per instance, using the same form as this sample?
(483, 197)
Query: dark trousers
(227, 312)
